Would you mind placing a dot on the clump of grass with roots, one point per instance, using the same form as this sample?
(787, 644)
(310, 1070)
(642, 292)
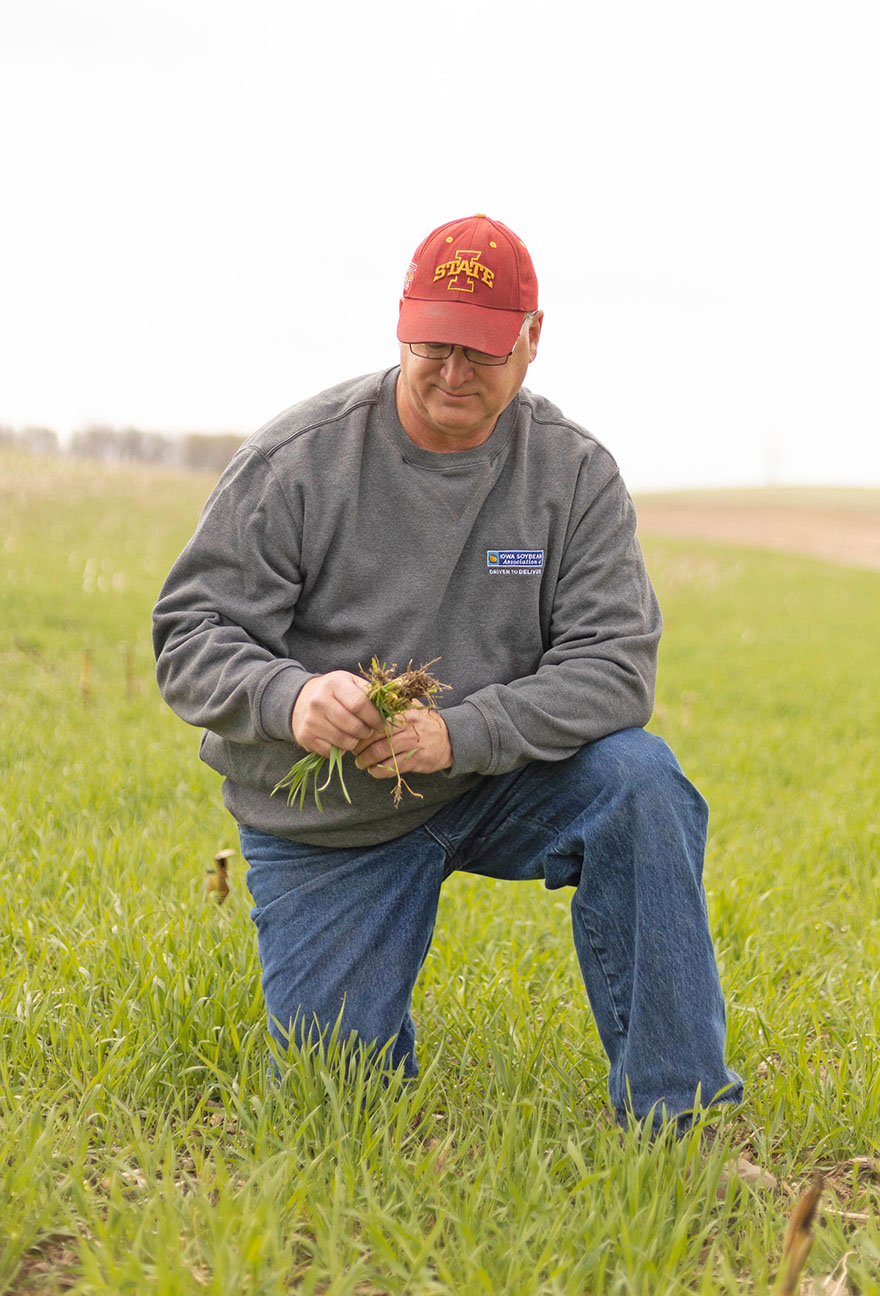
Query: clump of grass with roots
(391, 694)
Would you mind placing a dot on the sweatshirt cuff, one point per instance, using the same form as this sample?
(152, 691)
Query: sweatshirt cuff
(470, 738)
(275, 704)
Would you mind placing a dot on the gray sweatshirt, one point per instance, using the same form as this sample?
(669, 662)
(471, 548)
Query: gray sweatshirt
(332, 538)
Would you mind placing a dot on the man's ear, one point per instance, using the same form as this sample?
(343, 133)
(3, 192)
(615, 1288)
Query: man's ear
(535, 333)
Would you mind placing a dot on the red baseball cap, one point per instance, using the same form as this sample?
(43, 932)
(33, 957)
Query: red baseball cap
(470, 282)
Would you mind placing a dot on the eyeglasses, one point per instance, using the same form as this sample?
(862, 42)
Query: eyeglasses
(443, 350)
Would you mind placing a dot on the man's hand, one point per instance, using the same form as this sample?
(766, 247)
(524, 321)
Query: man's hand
(419, 740)
(333, 710)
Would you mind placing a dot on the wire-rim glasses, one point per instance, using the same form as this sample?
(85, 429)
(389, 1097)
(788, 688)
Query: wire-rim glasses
(443, 350)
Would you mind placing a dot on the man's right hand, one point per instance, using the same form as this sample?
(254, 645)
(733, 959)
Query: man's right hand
(333, 710)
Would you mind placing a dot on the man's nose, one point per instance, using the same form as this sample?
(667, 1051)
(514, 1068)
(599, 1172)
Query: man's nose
(456, 368)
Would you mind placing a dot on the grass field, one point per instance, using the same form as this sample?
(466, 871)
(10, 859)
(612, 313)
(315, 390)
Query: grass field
(143, 1147)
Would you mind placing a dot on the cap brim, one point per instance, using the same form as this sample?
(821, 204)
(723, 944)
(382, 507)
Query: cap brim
(480, 327)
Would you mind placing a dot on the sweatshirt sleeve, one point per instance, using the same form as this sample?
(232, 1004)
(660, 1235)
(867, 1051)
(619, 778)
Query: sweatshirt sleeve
(598, 672)
(219, 624)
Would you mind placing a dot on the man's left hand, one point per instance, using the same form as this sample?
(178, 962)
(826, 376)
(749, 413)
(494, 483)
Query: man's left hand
(419, 740)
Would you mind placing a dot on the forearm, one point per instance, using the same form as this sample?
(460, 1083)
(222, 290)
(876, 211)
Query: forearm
(213, 675)
(549, 715)
(221, 621)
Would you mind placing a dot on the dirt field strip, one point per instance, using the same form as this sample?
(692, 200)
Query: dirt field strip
(834, 524)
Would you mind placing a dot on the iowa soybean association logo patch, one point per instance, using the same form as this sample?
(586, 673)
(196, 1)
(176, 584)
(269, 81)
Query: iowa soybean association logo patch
(515, 560)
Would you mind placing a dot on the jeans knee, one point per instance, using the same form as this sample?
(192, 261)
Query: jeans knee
(639, 811)
(642, 766)
(633, 755)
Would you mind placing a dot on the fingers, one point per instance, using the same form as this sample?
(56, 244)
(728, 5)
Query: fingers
(333, 710)
(419, 744)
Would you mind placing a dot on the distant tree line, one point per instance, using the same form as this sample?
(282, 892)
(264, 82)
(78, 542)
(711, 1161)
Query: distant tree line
(208, 451)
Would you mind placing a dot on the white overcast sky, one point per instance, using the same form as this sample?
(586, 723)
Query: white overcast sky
(207, 210)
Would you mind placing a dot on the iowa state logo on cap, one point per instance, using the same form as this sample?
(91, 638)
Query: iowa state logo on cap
(465, 262)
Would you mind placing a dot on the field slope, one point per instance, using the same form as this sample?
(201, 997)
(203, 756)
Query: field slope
(841, 525)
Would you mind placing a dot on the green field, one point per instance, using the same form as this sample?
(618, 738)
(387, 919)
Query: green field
(143, 1146)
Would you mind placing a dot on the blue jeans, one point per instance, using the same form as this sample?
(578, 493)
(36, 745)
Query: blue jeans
(346, 930)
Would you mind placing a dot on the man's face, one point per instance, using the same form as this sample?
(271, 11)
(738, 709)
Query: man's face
(447, 405)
